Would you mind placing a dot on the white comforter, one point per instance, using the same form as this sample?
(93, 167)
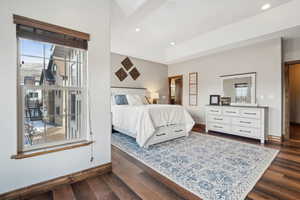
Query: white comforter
(142, 120)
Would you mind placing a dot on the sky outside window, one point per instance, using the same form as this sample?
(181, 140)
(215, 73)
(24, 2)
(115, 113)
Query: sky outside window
(35, 48)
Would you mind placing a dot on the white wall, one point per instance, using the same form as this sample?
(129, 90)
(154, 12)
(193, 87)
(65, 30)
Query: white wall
(291, 49)
(294, 80)
(263, 58)
(154, 76)
(91, 17)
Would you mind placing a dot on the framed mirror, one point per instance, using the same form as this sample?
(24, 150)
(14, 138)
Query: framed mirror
(241, 88)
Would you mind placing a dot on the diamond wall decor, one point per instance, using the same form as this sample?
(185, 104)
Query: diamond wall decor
(121, 74)
(127, 63)
(134, 73)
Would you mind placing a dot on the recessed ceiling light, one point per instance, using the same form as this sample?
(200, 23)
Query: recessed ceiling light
(137, 30)
(172, 43)
(266, 6)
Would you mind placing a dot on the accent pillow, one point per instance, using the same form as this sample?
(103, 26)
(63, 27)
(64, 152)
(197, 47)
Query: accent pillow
(144, 100)
(134, 100)
(121, 100)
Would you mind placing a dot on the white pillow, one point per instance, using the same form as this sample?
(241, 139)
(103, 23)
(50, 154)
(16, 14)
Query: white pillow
(134, 100)
(112, 100)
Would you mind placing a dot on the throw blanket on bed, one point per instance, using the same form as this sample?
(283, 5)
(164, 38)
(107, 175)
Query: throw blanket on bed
(142, 120)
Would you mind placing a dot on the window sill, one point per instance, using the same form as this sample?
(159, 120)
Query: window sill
(23, 155)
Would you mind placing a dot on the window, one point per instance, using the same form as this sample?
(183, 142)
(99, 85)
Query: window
(51, 90)
(241, 90)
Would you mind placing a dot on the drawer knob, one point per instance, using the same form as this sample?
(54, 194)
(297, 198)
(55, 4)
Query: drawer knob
(218, 119)
(243, 122)
(218, 126)
(230, 111)
(250, 113)
(244, 131)
(177, 131)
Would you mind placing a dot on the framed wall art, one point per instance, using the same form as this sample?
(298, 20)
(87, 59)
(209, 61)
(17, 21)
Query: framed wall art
(193, 89)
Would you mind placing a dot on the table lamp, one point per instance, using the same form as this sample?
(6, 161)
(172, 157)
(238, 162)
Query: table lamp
(155, 97)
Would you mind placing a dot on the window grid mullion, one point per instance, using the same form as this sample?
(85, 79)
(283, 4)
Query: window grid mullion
(42, 57)
(66, 78)
(43, 96)
(49, 88)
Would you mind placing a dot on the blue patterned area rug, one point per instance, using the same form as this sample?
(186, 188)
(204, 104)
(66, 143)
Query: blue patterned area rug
(211, 167)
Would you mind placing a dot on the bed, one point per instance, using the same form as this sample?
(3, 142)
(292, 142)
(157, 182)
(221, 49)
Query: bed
(149, 124)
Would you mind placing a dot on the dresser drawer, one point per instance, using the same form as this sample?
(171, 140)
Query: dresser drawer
(219, 127)
(250, 113)
(231, 111)
(246, 122)
(218, 119)
(214, 111)
(243, 131)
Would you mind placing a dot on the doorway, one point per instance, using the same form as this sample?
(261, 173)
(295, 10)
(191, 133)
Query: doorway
(292, 100)
(175, 90)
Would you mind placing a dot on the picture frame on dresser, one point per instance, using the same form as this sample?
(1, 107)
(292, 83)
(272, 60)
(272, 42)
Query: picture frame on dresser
(225, 101)
(214, 99)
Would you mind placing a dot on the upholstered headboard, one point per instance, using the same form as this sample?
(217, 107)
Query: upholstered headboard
(129, 90)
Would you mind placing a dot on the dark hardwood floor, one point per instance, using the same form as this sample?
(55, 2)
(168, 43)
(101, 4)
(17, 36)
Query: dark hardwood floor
(295, 131)
(104, 187)
(132, 180)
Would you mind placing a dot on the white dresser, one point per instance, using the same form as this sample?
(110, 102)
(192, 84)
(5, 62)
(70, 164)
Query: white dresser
(248, 122)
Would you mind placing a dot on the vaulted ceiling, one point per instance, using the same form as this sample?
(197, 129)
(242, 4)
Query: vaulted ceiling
(146, 28)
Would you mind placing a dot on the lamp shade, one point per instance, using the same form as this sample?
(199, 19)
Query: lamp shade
(155, 95)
